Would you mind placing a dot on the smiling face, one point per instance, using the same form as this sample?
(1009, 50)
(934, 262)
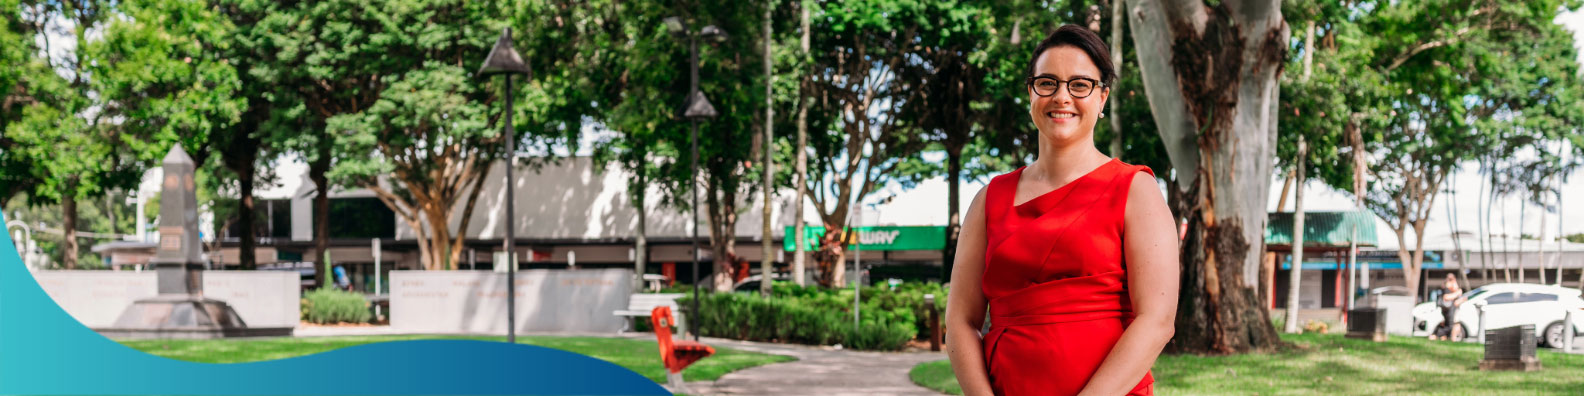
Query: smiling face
(1061, 118)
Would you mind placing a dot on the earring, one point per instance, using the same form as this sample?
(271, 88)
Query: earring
(1102, 114)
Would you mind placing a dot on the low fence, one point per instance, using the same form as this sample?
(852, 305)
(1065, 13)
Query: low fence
(475, 301)
(97, 298)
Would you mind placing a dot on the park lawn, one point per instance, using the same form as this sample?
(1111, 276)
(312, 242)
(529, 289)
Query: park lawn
(1329, 364)
(640, 356)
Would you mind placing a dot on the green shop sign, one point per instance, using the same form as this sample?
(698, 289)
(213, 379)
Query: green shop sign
(877, 238)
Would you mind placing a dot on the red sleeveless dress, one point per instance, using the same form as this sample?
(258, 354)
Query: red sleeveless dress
(1055, 282)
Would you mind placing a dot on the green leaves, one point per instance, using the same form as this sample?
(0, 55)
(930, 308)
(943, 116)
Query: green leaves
(420, 119)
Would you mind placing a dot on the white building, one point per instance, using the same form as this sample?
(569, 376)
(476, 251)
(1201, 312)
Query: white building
(567, 212)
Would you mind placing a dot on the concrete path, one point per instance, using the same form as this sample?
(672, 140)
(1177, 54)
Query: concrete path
(818, 371)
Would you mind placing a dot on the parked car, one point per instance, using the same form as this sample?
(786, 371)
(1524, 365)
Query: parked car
(1511, 304)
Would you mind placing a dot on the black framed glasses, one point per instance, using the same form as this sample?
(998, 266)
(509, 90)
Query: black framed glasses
(1078, 87)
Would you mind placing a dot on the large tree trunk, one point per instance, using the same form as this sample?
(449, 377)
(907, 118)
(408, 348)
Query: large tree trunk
(1523, 210)
(1286, 186)
(321, 212)
(1488, 197)
(1540, 244)
(1219, 131)
(721, 204)
(800, 258)
(68, 204)
(832, 256)
(1116, 63)
(1295, 274)
(454, 252)
(1403, 254)
(641, 248)
(953, 210)
(246, 249)
(767, 261)
(1559, 234)
(1457, 241)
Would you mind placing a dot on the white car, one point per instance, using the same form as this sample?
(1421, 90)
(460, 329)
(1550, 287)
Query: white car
(1511, 304)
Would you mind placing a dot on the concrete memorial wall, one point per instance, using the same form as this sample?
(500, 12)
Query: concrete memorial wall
(262, 298)
(475, 301)
(97, 298)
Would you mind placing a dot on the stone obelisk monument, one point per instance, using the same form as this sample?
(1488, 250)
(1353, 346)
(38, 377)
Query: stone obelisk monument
(180, 310)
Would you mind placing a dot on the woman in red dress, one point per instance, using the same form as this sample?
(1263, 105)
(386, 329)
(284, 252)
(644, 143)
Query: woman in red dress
(1075, 255)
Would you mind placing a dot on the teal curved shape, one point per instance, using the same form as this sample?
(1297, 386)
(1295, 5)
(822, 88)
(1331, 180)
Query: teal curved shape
(44, 351)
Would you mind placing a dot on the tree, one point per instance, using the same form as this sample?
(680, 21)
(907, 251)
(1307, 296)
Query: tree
(64, 126)
(1439, 120)
(144, 80)
(303, 52)
(799, 258)
(617, 71)
(198, 97)
(1219, 128)
(1309, 140)
(428, 138)
(26, 83)
(862, 48)
(948, 108)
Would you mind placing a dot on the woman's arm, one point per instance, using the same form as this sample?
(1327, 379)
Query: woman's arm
(1150, 250)
(965, 304)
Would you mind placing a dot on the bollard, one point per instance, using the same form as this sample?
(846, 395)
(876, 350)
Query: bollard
(1568, 332)
(934, 322)
(1511, 348)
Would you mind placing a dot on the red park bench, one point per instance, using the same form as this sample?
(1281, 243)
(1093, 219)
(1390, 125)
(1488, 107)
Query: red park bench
(677, 355)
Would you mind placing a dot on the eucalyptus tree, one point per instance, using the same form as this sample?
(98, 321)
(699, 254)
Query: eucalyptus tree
(1219, 130)
(1456, 94)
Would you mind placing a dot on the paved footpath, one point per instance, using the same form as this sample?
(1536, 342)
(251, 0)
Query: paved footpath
(819, 371)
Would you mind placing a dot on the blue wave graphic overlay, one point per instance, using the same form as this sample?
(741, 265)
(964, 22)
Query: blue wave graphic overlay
(44, 351)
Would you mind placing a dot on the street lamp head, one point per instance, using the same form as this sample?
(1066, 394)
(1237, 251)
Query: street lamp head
(713, 35)
(675, 26)
(699, 107)
(503, 59)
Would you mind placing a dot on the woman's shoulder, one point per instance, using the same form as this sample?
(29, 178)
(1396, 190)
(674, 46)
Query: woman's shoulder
(1131, 169)
(1005, 177)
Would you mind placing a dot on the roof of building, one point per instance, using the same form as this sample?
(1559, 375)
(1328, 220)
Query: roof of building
(1322, 229)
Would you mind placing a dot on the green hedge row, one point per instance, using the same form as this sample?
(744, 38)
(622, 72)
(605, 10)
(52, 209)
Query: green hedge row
(814, 315)
(327, 306)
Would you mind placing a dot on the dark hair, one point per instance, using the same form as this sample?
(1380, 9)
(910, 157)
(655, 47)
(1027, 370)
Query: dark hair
(1082, 38)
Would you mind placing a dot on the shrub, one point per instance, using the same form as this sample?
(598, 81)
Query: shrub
(335, 306)
(814, 315)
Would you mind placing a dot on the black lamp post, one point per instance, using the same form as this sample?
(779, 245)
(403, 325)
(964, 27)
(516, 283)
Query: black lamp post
(697, 108)
(505, 60)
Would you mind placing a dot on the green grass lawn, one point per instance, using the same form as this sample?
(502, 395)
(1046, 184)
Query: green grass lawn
(1334, 365)
(642, 356)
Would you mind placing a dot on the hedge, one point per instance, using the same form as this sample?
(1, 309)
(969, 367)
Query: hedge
(326, 306)
(819, 316)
